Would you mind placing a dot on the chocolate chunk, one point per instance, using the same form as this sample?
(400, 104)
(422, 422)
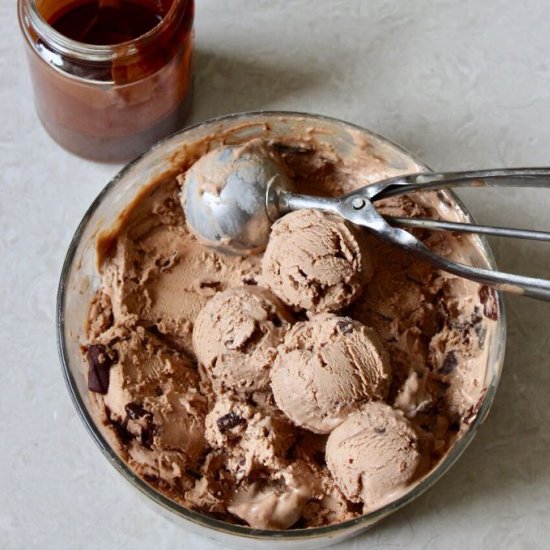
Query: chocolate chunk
(99, 365)
(319, 457)
(249, 281)
(380, 431)
(345, 327)
(123, 434)
(488, 297)
(301, 315)
(276, 320)
(229, 421)
(147, 435)
(135, 411)
(454, 426)
(449, 363)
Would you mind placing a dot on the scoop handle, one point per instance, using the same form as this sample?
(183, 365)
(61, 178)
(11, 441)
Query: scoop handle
(431, 181)
(360, 211)
(357, 208)
(459, 227)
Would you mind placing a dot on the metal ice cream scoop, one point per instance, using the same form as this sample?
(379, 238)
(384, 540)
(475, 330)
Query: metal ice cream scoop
(232, 198)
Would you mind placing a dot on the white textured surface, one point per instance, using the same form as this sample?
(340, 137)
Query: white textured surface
(461, 84)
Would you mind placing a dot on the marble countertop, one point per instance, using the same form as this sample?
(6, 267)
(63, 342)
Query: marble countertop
(460, 84)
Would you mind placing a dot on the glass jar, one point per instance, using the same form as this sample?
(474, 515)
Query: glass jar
(110, 102)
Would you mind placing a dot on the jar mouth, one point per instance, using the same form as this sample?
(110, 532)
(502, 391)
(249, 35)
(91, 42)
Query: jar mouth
(29, 12)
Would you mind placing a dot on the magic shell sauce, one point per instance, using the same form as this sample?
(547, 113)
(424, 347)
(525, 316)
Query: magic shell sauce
(110, 77)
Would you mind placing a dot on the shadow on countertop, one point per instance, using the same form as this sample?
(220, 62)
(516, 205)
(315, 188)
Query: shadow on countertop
(227, 83)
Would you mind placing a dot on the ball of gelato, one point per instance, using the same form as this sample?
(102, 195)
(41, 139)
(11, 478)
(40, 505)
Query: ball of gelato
(326, 368)
(235, 338)
(316, 261)
(374, 455)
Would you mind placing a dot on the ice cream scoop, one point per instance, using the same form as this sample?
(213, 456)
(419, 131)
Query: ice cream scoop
(224, 197)
(316, 261)
(235, 338)
(233, 194)
(374, 455)
(326, 368)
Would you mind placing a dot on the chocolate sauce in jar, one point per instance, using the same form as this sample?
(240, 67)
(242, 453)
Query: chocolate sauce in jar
(111, 77)
(106, 22)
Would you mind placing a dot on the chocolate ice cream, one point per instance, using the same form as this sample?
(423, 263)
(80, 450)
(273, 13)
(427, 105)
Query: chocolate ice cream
(374, 455)
(251, 437)
(151, 396)
(279, 502)
(326, 368)
(214, 372)
(235, 337)
(314, 261)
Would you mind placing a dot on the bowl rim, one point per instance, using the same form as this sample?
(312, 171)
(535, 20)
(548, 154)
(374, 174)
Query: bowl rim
(199, 518)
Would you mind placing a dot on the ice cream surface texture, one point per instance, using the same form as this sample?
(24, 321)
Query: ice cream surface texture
(374, 455)
(327, 367)
(235, 337)
(294, 389)
(315, 261)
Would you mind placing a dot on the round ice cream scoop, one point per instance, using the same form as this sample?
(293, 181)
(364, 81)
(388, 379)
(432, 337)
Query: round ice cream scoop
(326, 368)
(232, 195)
(374, 455)
(316, 261)
(235, 338)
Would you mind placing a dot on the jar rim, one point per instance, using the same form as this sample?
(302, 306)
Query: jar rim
(29, 15)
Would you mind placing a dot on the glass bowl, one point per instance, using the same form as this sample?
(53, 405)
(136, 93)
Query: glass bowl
(80, 279)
